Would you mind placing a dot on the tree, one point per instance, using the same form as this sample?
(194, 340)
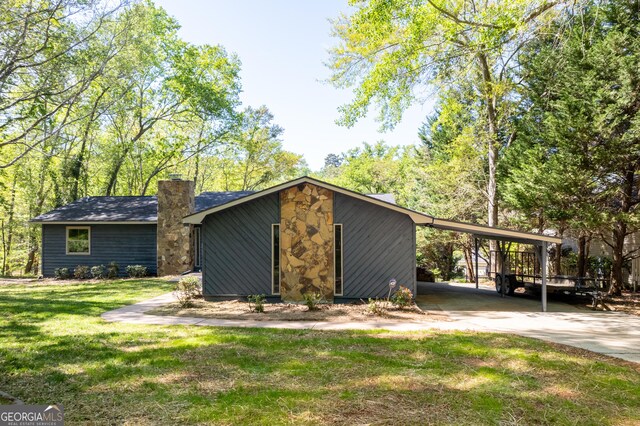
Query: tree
(390, 50)
(42, 43)
(379, 169)
(579, 143)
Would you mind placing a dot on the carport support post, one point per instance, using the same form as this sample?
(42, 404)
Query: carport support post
(543, 266)
(477, 279)
(501, 247)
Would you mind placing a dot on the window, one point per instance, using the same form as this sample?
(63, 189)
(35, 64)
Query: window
(275, 258)
(337, 253)
(78, 240)
(197, 247)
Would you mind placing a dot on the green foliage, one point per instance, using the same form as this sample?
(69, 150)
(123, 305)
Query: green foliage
(99, 271)
(402, 298)
(312, 300)
(62, 273)
(186, 290)
(81, 272)
(376, 307)
(256, 302)
(109, 103)
(113, 270)
(137, 271)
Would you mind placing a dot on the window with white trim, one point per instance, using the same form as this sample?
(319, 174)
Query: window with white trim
(275, 258)
(79, 240)
(337, 260)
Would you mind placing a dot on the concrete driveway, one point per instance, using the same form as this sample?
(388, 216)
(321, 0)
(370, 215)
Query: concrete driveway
(468, 308)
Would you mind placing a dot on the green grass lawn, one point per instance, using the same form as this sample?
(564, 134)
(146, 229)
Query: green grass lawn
(55, 348)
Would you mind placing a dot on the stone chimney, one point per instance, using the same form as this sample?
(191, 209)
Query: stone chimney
(176, 199)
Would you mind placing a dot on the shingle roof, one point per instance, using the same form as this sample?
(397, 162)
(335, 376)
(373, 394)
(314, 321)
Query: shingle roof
(105, 209)
(389, 198)
(139, 208)
(206, 200)
(127, 209)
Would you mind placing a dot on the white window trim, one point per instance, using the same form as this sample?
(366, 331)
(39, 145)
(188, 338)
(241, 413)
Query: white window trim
(273, 284)
(66, 240)
(341, 258)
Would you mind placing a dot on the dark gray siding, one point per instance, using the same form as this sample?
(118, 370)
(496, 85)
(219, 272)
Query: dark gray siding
(123, 244)
(237, 248)
(379, 244)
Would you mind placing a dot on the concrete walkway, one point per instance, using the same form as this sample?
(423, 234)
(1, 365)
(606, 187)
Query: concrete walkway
(610, 333)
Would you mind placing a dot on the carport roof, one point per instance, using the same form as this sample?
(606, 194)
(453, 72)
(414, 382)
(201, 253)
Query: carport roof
(419, 218)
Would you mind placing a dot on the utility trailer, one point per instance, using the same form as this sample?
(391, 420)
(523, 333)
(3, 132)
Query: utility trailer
(521, 269)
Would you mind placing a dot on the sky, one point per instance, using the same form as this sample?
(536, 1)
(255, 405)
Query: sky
(283, 46)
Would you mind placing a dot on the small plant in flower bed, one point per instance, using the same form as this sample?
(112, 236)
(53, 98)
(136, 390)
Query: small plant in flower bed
(62, 273)
(137, 271)
(99, 271)
(81, 272)
(187, 289)
(312, 300)
(256, 302)
(113, 270)
(402, 298)
(376, 307)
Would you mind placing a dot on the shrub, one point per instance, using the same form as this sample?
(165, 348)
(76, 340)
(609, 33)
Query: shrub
(98, 271)
(402, 298)
(113, 270)
(187, 289)
(137, 271)
(62, 273)
(81, 272)
(256, 302)
(376, 307)
(312, 300)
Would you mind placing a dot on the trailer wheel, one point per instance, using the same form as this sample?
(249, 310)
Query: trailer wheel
(509, 289)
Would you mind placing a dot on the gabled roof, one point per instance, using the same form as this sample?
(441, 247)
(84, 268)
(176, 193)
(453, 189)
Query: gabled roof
(417, 217)
(126, 209)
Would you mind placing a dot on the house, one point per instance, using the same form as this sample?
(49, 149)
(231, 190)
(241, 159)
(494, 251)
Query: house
(302, 236)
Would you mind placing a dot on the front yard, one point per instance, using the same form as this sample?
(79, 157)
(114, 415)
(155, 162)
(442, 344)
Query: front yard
(54, 347)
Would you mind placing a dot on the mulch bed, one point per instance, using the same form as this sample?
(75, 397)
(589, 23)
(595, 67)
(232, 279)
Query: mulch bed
(240, 310)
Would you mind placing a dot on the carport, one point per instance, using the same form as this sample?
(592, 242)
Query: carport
(502, 236)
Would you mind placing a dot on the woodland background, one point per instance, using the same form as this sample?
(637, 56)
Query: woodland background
(536, 126)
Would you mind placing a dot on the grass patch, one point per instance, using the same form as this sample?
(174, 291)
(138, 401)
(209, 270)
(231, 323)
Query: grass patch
(55, 348)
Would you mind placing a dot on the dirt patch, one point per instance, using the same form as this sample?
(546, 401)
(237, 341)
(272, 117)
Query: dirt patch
(628, 303)
(239, 310)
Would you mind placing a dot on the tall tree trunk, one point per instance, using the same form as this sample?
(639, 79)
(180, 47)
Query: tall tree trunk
(493, 146)
(620, 232)
(7, 238)
(582, 255)
(558, 257)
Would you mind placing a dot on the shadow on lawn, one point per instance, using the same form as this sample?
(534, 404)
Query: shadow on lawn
(57, 349)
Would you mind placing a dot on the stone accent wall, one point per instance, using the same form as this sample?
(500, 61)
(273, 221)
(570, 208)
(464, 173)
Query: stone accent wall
(176, 199)
(306, 242)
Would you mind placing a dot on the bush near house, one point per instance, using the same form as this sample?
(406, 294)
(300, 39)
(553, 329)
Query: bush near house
(137, 271)
(256, 302)
(402, 298)
(62, 273)
(187, 289)
(98, 271)
(113, 270)
(82, 272)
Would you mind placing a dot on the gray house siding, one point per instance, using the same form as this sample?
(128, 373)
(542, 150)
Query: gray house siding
(237, 248)
(379, 244)
(123, 244)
